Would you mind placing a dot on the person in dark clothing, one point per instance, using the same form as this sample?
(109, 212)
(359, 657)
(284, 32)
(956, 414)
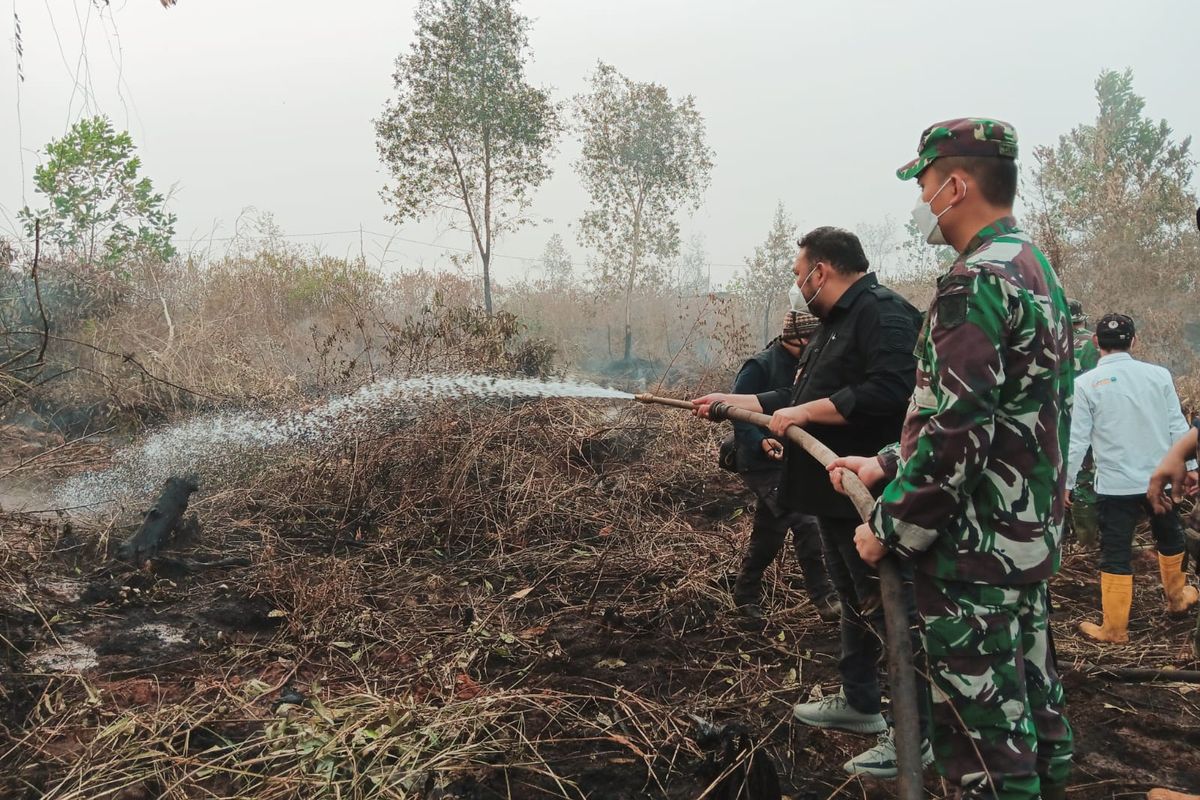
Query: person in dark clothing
(852, 391)
(757, 458)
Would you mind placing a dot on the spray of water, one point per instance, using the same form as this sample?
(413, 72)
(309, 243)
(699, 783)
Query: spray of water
(220, 445)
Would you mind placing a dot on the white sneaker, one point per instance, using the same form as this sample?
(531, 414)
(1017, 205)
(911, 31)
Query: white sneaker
(880, 760)
(836, 712)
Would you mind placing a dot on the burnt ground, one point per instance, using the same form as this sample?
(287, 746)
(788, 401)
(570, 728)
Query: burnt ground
(567, 650)
(352, 659)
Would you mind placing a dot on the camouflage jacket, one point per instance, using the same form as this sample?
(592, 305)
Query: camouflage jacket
(1087, 355)
(977, 479)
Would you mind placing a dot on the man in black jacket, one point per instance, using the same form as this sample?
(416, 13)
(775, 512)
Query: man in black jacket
(851, 392)
(757, 459)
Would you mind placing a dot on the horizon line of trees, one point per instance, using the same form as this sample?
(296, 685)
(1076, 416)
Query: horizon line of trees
(467, 136)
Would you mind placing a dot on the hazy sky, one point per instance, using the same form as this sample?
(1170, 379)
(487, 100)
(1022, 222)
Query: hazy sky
(269, 104)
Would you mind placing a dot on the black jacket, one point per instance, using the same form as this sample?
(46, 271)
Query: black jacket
(862, 360)
(772, 368)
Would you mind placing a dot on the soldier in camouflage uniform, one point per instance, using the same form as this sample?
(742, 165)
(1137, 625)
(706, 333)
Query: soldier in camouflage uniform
(1086, 354)
(973, 492)
(1084, 519)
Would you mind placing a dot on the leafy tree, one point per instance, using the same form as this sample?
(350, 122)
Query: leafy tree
(556, 265)
(878, 241)
(466, 132)
(644, 158)
(101, 211)
(1113, 207)
(689, 276)
(1117, 191)
(768, 274)
(919, 260)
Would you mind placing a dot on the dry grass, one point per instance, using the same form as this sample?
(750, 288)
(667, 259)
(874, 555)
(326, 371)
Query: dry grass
(484, 592)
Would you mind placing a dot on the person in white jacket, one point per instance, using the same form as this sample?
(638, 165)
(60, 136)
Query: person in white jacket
(1129, 413)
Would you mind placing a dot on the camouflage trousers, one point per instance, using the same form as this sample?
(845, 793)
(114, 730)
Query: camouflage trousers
(999, 724)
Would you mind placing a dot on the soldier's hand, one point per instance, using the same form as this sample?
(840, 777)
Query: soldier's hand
(785, 418)
(870, 549)
(773, 449)
(1191, 484)
(1067, 498)
(701, 405)
(867, 468)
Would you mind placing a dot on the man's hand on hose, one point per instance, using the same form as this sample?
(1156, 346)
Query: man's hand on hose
(785, 418)
(773, 449)
(867, 468)
(701, 405)
(870, 549)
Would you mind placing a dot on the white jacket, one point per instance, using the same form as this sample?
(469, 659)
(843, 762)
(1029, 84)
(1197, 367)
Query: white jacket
(1128, 412)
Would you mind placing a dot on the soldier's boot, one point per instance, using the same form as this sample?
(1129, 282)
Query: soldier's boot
(1116, 593)
(1167, 794)
(1180, 596)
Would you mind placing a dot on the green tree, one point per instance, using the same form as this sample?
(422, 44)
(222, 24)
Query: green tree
(689, 272)
(101, 212)
(1116, 191)
(556, 266)
(878, 241)
(644, 158)
(919, 260)
(1114, 209)
(466, 133)
(768, 274)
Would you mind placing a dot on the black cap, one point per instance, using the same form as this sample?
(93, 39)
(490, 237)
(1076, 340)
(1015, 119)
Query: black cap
(1115, 330)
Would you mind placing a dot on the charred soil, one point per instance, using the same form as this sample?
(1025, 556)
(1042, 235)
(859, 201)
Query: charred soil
(489, 603)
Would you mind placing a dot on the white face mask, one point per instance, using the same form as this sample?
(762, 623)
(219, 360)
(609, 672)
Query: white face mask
(927, 221)
(797, 297)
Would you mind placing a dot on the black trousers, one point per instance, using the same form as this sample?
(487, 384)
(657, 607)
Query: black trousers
(1119, 515)
(772, 524)
(862, 634)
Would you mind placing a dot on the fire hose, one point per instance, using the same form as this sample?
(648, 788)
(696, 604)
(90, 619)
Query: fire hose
(901, 672)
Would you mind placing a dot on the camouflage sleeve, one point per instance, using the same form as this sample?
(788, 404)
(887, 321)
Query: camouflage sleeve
(889, 459)
(965, 366)
(1089, 357)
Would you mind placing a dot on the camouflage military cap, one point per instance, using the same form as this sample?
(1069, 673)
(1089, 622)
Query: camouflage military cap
(1076, 309)
(969, 136)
